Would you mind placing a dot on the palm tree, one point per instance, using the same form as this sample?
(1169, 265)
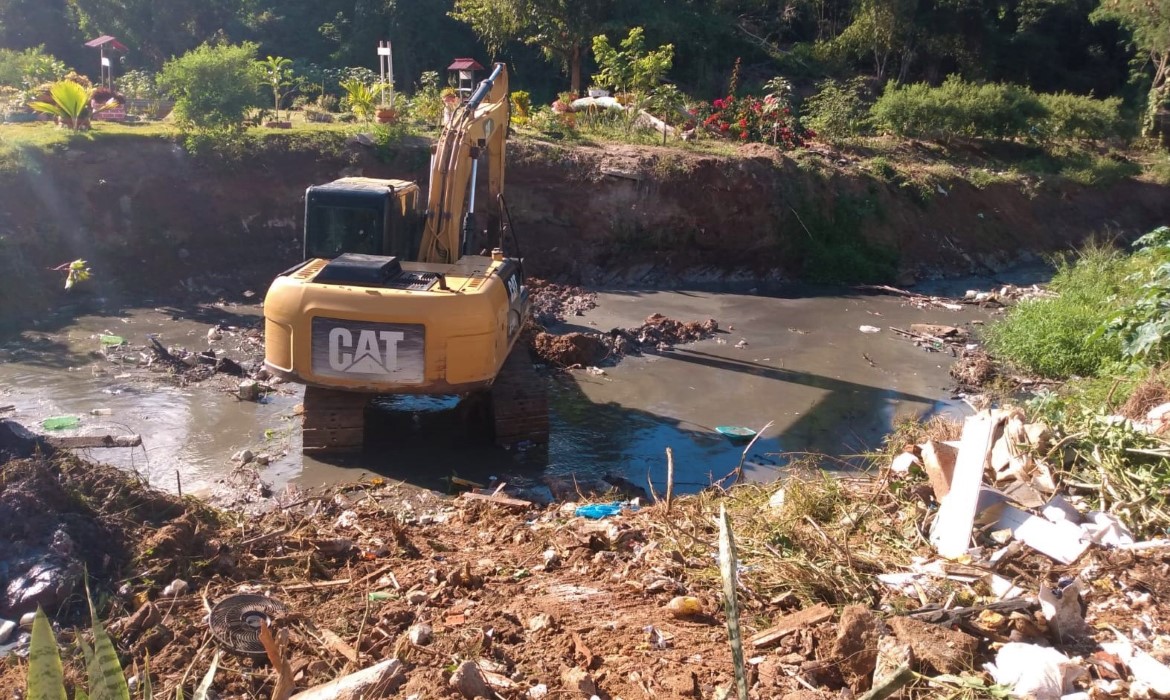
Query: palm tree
(69, 102)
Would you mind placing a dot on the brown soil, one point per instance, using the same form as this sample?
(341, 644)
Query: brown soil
(533, 596)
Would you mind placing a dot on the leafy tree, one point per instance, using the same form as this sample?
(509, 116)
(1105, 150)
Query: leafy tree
(563, 29)
(159, 31)
(277, 73)
(213, 85)
(882, 30)
(1149, 24)
(632, 69)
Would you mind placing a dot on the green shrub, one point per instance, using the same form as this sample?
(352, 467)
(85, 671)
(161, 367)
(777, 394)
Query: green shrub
(1078, 117)
(994, 111)
(29, 68)
(521, 106)
(426, 106)
(1057, 338)
(838, 110)
(958, 108)
(213, 85)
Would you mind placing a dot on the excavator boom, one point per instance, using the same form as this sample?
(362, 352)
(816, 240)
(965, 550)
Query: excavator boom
(478, 128)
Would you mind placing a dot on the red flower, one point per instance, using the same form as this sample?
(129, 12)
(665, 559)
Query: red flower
(743, 123)
(743, 135)
(724, 126)
(717, 104)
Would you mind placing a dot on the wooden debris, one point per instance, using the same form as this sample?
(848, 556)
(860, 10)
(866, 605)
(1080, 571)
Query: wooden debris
(80, 441)
(496, 499)
(951, 533)
(791, 623)
(338, 645)
(372, 682)
(938, 461)
(317, 584)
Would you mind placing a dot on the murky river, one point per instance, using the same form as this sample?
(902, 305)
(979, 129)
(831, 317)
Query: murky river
(798, 360)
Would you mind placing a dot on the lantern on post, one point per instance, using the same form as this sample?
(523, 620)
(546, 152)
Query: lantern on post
(107, 46)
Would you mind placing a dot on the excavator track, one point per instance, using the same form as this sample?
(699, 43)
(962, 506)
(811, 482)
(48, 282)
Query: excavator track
(519, 401)
(334, 421)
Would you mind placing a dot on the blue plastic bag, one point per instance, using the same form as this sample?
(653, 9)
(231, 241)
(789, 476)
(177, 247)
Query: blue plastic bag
(597, 511)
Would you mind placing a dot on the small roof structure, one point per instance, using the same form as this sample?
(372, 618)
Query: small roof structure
(465, 64)
(106, 42)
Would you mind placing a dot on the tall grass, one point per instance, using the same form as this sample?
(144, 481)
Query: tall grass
(1057, 338)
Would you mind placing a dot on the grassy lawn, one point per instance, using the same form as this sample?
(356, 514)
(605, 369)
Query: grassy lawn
(910, 163)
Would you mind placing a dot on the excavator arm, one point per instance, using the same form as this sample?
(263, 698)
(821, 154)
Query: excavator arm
(479, 127)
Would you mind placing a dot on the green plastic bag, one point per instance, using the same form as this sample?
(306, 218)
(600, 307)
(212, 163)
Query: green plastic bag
(112, 340)
(60, 422)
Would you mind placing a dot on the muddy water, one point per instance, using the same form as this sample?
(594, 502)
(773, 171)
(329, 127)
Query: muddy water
(796, 359)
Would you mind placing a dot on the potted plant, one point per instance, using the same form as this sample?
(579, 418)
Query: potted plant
(564, 102)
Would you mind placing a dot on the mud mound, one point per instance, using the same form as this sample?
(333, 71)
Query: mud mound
(553, 303)
(657, 333)
(660, 329)
(63, 517)
(570, 349)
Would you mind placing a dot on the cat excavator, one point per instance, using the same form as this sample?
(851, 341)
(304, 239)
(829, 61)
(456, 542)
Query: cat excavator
(390, 298)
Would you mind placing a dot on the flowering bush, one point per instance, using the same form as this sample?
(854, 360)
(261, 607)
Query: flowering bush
(765, 120)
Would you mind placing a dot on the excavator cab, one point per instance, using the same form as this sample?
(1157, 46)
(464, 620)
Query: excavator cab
(363, 216)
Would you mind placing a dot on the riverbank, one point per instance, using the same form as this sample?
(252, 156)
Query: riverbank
(151, 217)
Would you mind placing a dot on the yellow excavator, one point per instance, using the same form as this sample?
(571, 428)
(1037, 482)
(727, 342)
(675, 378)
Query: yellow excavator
(391, 300)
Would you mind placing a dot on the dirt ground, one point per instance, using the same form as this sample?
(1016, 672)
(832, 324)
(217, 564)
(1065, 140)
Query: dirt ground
(548, 603)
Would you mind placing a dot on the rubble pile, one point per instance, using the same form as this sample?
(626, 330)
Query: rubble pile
(554, 303)
(656, 334)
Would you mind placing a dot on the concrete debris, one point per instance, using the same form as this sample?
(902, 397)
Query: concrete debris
(421, 634)
(578, 683)
(468, 679)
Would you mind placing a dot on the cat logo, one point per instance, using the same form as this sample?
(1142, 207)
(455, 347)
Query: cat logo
(390, 352)
(376, 352)
(513, 286)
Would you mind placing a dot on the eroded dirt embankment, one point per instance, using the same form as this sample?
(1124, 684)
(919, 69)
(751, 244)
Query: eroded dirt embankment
(151, 217)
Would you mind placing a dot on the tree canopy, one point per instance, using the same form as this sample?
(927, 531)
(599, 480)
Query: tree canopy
(1080, 46)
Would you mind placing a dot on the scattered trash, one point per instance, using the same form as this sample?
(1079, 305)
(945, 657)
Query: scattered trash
(60, 422)
(684, 606)
(735, 434)
(599, 511)
(1032, 671)
(870, 329)
(111, 340)
(175, 588)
